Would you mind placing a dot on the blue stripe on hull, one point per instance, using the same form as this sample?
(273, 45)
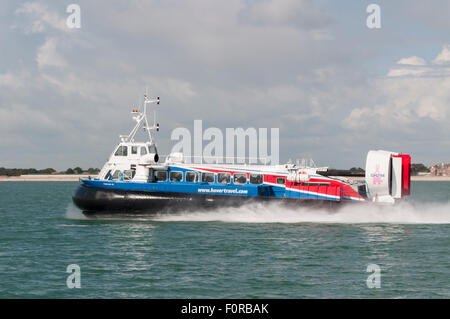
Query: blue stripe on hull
(245, 190)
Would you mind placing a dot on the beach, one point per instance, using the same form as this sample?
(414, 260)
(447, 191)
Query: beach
(430, 178)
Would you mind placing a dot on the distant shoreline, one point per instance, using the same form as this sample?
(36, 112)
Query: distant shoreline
(427, 178)
(75, 178)
(45, 178)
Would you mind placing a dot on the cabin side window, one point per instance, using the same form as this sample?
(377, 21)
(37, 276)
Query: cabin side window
(134, 149)
(256, 178)
(152, 149)
(176, 176)
(281, 180)
(207, 177)
(121, 151)
(143, 151)
(108, 175)
(160, 176)
(128, 174)
(192, 177)
(224, 178)
(240, 178)
(116, 174)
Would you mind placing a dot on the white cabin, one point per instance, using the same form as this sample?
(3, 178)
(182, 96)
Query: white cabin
(130, 159)
(126, 159)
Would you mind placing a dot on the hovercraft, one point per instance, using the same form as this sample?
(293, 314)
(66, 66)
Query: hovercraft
(134, 179)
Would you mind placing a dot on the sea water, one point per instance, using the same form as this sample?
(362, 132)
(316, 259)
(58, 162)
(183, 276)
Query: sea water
(255, 251)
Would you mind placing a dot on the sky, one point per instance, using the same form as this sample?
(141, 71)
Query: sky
(334, 87)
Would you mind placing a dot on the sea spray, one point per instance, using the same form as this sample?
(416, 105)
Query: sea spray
(402, 213)
(73, 212)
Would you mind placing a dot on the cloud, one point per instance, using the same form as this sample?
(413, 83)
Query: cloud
(15, 80)
(110, 90)
(414, 60)
(225, 34)
(31, 116)
(41, 18)
(407, 72)
(409, 95)
(417, 67)
(408, 101)
(47, 56)
(444, 56)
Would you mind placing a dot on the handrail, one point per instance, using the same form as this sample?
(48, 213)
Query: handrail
(222, 159)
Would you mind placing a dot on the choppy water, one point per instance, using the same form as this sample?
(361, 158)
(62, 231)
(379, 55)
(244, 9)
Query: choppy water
(251, 252)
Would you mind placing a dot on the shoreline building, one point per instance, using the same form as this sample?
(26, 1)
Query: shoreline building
(440, 169)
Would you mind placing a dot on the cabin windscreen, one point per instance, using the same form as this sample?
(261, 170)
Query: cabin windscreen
(122, 150)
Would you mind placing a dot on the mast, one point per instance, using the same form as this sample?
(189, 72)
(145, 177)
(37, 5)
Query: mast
(141, 120)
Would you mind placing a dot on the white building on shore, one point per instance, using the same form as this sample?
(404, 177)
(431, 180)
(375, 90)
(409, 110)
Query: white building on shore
(440, 169)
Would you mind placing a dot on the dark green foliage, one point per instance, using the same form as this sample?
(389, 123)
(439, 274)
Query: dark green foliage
(356, 170)
(24, 171)
(419, 168)
(45, 171)
(93, 170)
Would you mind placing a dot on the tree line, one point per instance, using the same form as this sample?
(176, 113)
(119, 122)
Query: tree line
(419, 168)
(415, 169)
(46, 171)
